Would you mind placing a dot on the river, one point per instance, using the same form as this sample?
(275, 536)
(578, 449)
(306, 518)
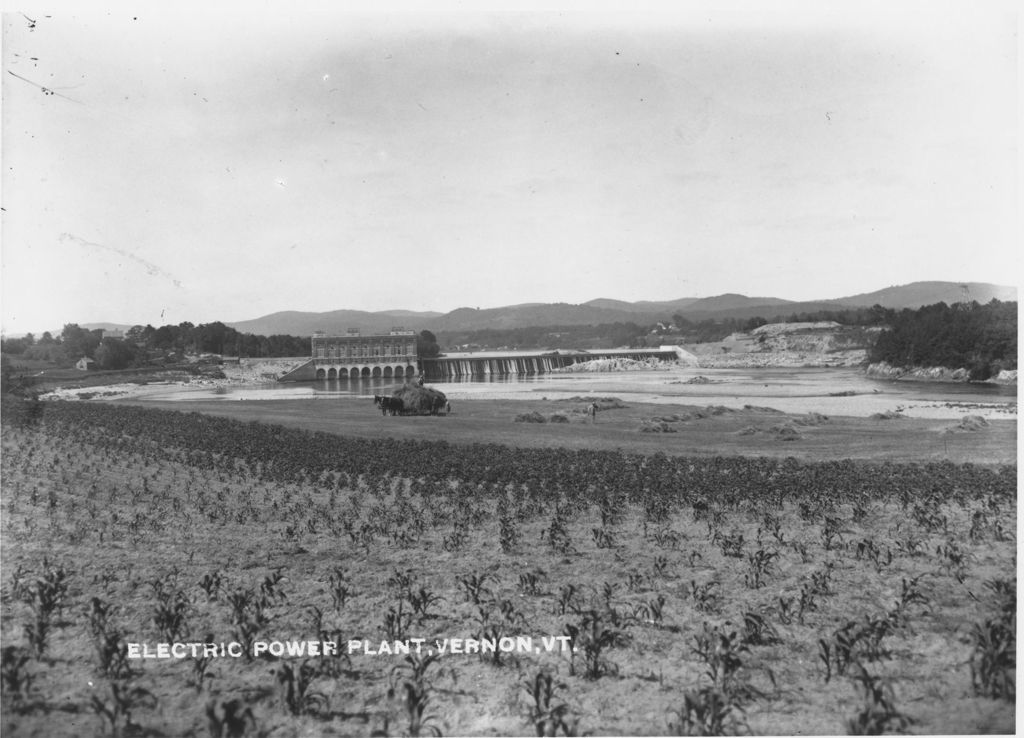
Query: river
(842, 392)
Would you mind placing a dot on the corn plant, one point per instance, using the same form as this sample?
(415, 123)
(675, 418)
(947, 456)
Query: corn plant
(721, 653)
(548, 714)
(773, 525)
(270, 590)
(339, 588)
(759, 566)
(704, 596)
(852, 643)
(414, 668)
(1005, 591)
(652, 611)
(117, 706)
(402, 581)
(603, 537)
(396, 623)
(878, 712)
(785, 610)
(558, 534)
(44, 597)
(665, 537)
(821, 580)
(707, 711)
(529, 582)
(636, 581)
(993, 658)
(731, 544)
(111, 645)
(170, 616)
(595, 636)
(247, 617)
(758, 631)
(569, 598)
(295, 689)
(910, 594)
(475, 586)
(15, 678)
(230, 719)
(807, 603)
(830, 530)
(868, 549)
(420, 720)
(508, 532)
(953, 560)
(421, 601)
(660, 567)
(212, 584)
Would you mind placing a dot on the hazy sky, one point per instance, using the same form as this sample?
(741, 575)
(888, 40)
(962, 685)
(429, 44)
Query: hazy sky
(209, 166)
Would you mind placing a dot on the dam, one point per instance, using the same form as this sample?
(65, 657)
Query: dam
(495, 363)
(492, 363)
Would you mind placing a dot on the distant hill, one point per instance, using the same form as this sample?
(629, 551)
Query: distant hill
(727, 302)
(916, 294)
(647, 307)
(605, 310)
(296, 323)
(94, 326)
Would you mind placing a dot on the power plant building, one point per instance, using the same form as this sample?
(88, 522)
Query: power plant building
(355, 356)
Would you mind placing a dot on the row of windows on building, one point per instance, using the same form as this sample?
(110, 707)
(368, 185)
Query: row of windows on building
(363, 351)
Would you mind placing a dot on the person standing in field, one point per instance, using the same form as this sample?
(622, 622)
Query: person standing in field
(593, 412)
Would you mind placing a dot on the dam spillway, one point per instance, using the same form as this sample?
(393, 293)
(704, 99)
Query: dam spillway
(489, 363)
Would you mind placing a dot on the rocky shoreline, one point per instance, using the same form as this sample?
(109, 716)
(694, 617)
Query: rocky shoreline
(883, 370)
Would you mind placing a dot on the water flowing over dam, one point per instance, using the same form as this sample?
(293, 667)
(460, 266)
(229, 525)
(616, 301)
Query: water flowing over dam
(504, 364)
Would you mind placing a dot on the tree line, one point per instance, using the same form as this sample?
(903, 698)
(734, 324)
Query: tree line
(979, 338)
(144, 344)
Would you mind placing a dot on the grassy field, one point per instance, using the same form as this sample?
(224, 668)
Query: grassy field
(690, 430)
(699, 591)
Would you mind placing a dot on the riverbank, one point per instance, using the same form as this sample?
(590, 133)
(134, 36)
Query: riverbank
(883, 370)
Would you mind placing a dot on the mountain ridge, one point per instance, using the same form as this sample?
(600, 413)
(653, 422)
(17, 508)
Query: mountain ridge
(609, 310)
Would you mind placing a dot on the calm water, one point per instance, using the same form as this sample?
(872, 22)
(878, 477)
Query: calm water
(828, 391)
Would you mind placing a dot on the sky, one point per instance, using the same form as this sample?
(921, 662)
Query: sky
(200, 165)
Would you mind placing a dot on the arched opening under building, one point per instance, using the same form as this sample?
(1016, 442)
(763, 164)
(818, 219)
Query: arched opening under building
(376, 371)
(332, 373)
(398, 371)
(343, 373)
(321, 374)
(387, 371)
(365, 373)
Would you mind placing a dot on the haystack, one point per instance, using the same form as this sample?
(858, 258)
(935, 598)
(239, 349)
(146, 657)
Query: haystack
(421, 400)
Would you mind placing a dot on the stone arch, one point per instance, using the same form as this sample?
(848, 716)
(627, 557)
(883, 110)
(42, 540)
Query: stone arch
(376, 371)
(399, 371)
(365, 373)
(387, 372)
(410, 371)
(343, 373)
(332, 373)
(321, 374)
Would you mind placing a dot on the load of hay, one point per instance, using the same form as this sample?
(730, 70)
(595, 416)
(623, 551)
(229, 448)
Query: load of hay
(421, 400)
(970, 423)
(532, 417)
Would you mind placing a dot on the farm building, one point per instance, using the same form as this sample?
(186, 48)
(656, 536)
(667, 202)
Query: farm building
(85, 364)
(354, 355)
